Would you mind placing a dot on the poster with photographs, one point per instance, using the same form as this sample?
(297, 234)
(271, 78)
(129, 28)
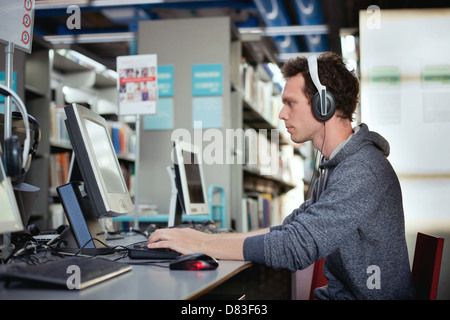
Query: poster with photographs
(137, 84)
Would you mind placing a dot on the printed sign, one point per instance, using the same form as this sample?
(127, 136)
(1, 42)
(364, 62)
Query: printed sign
(17, 17)
(137, 84)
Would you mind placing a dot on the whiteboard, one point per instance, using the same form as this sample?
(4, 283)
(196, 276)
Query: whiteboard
(405, 86)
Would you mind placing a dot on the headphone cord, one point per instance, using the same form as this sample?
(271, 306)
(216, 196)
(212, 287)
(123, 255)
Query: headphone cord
(313, 179)
(324, 135)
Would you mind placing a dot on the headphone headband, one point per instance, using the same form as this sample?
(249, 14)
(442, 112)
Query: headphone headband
(321, 89)
(18, 102)
(323, 104)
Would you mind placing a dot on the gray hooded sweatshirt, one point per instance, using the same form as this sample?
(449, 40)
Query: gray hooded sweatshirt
(354, 218)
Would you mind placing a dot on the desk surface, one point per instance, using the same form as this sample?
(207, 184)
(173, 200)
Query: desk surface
(142, 282)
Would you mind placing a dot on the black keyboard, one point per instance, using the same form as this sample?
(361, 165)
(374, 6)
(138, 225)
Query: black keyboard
(57, 272)
(141, 251)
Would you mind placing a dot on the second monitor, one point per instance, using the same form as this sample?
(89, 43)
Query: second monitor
(189, 183)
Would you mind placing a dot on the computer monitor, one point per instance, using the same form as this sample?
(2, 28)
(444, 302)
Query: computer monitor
(10, 220)
(189, 178)
(97, 162)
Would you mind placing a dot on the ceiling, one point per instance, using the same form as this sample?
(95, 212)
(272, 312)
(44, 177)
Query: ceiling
(113, 24)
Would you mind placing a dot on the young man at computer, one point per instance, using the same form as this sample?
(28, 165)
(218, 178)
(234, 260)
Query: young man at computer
(354, 217)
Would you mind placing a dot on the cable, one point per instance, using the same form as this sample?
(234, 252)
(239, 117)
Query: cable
(312, 180)
(323, 142)
(27, 252)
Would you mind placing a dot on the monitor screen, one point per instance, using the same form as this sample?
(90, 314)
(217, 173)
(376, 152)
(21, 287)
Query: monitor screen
(105, 157)
(10, 220)
(189, 178)
(97, 162)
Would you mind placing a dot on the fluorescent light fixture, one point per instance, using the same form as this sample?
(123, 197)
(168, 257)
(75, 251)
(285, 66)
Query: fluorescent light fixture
(51, 4)
(91, 38)
(88, 63)
(283, 57)
(285, 30)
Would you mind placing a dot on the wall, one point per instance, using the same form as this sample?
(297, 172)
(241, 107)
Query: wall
(405, 96)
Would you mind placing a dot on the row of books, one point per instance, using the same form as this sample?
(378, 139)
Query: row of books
(264, 210)
(122, 136)
(260, 92)
(261, 151)
(268, 156)
(58, 131)
(260, 210)
(60, 171)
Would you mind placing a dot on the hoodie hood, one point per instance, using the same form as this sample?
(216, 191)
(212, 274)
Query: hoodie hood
(361, 139)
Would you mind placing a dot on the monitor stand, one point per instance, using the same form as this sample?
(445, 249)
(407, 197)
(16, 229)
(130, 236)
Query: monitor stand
(176, 209)
(85, 232)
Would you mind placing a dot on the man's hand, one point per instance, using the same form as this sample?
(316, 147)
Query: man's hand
(225, 246)
(182, 240)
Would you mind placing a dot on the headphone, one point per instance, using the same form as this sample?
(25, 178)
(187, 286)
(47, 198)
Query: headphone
(323, 103)
(17, 159)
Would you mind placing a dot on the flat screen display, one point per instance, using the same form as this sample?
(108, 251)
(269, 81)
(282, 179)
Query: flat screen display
(105, 157)
(193, 177)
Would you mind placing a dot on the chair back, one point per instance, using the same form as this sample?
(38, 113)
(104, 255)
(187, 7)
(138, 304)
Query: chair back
(427, 265)
(318, 278)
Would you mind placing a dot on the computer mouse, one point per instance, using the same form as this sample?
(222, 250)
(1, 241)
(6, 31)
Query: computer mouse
(195, 261)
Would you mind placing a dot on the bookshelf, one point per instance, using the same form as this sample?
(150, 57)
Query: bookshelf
(268, 194)
(48, 73)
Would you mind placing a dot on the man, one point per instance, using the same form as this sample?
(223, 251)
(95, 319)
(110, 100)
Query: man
(354, 217)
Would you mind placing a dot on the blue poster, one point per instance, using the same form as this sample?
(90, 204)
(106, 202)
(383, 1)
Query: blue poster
(165, 81)
(207, 80)
(163, 118)
(207, 112)
(3, 80)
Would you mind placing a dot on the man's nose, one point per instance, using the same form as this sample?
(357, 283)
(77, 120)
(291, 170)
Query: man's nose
(282, 114)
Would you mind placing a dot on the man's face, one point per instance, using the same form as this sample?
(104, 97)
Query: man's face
(296, 112)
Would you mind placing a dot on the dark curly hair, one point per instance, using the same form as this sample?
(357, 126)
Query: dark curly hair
(333, 74)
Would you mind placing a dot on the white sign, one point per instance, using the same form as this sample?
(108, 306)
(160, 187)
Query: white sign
(17, 18)
(137, 84)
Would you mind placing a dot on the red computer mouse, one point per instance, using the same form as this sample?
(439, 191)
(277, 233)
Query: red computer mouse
(195, 261)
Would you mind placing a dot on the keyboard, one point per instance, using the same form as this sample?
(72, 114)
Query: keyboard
(57, 272)
(141, 251)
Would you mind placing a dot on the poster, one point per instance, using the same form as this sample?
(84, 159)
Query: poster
(165, 81)
(3, 82)
(137, 84)
(207, 112)
(163, 120)
(207, 80)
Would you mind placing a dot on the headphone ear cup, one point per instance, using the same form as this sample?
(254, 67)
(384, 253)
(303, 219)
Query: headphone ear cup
(330, 107)
(36, 138)
(12, 157)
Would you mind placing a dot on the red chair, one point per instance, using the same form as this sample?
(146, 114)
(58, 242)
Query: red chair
(318, 278)
(427, 265)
